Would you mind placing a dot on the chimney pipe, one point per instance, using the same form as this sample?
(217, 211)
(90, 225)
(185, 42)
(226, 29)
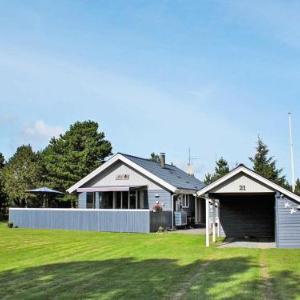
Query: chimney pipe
(162, 158)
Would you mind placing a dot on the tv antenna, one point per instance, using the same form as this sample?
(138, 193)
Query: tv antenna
(191, 158)
(189, 165)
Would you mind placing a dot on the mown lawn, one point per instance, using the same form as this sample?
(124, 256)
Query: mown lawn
(41, 264)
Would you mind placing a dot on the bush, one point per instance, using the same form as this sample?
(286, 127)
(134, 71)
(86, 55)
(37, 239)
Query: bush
(3, 217)
(10, 225)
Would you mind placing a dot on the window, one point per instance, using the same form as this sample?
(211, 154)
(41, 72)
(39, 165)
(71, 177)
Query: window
(100, 195)
(139, 199)
(145, 199)
(142, 199)
(125, 200)
(185, 201)
(90, 200)
(132, 199)
(118, 200)
(107, 200)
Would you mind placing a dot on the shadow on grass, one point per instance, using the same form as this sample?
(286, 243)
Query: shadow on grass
(127, 278)
(240, 278)
(286, 285)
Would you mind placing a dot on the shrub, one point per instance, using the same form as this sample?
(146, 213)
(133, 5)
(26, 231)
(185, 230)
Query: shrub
(10, 225)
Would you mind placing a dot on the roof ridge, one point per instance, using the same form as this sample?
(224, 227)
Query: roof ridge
(170, 177)
(148, 159)
(170, 167)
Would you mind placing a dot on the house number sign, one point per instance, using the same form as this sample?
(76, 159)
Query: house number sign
(122, 177)
(242, 188)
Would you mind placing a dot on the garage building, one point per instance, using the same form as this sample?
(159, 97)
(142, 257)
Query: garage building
(245, 205)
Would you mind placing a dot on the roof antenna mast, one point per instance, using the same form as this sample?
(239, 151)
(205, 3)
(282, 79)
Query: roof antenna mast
(292, 152)
(190, 170)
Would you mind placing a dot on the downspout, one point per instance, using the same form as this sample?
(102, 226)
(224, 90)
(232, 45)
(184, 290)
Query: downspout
(172, 207)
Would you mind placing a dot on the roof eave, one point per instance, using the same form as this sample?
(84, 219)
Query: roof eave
(185, 191)
(251, 173)
(127, 161)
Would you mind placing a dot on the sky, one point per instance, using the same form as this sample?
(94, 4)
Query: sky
(158, 76)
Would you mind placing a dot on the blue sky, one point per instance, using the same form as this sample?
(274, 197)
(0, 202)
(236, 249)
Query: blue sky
(157, 75)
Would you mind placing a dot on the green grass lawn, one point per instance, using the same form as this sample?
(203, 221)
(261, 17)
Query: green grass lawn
(41, 264)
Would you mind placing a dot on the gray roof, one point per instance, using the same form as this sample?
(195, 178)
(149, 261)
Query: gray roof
(170, 173)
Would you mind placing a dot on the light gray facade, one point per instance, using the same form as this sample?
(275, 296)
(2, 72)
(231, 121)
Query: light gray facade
(139, 221)
(269, 215)
(119, 196)
(110, 177)
(251, 206)
(287, 223)
(161, 195)
(82, 219)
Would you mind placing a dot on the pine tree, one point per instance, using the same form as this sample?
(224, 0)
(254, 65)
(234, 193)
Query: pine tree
(2, 161)
(297, 186)
(221, 169)
(265, 165)
(208, 178)
(73, 155)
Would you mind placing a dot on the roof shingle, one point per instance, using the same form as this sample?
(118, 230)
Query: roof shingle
(170, 173)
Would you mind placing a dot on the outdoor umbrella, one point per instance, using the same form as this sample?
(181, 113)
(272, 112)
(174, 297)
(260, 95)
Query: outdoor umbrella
(45, 192)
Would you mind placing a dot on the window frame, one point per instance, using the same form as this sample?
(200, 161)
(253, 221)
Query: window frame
(185, 200)
(92, 202)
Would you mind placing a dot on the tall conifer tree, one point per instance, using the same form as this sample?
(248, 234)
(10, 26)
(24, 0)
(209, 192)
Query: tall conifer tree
(265, 165)
(221, 169)
(74, 154)
(297, 186)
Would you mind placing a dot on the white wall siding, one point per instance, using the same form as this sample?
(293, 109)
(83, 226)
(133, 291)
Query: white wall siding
(109, 178)
(242, 183)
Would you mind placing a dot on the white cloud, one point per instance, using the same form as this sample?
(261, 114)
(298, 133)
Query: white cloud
(39, 132)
